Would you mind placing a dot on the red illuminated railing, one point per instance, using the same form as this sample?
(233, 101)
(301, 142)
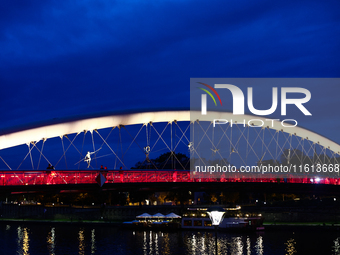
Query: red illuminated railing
(9, 178)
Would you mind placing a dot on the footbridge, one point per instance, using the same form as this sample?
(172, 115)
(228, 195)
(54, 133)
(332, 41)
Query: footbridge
(149, 147)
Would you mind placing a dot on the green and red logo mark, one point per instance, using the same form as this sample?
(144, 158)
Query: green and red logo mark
(209, 93)
(204, 97)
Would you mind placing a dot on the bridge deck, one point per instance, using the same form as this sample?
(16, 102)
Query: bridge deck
(18, 178)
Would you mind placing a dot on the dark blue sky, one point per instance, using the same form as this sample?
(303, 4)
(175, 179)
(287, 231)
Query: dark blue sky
(66, 58)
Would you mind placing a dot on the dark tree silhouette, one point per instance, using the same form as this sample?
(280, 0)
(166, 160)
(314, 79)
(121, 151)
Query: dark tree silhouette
(169, 160)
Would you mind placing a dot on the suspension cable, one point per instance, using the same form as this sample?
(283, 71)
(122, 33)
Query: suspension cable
(81, 152)
(62, 142)
(25, 157)
(94, 148)
(42, 148)
(111, 149)
(31, 156)
(5, 163)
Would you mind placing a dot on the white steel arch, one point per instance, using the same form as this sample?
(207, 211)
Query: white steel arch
(89, 124)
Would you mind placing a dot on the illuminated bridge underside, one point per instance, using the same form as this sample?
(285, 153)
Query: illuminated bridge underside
(22, 178)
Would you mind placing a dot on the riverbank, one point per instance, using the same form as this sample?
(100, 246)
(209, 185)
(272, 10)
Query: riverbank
(268, 225)
(273, 216)
(62, 221)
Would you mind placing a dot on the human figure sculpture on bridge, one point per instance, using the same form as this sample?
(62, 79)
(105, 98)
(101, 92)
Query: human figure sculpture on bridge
(87, 158)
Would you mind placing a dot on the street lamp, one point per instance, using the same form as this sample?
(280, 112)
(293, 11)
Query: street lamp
(216, 215)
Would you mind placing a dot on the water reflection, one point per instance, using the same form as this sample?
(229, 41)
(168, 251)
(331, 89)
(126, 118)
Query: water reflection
(154, 242)
(93, 242)
(193, 244)
(145, 249)
(200, 242)
(158, 242)
(236, 246)
(27, 239)
(81, 239)
(150, 243)
(248, 246)
(23, 241)
(204, 243)
(51, 241)
(336, 246)
(290, 247)
(166, 243)
(259, 245)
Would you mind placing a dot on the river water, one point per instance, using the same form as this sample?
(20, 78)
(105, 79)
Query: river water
(54, 238)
